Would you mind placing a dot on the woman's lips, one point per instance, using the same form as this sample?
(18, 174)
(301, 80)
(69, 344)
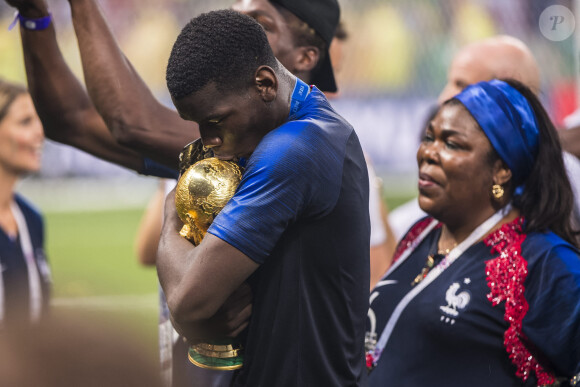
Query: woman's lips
(425, 180)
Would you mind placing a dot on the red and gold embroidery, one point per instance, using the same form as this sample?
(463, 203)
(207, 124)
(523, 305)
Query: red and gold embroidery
(411, 237)
(505, 277)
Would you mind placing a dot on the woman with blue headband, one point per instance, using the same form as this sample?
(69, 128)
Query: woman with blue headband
(485, 291)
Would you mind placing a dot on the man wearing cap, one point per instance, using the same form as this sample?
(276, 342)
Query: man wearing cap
(120, 120)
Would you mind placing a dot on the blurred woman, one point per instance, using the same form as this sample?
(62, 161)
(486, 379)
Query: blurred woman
(486, 290)
(25, 275)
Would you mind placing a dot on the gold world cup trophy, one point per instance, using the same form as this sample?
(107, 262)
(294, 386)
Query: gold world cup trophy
(204, 187)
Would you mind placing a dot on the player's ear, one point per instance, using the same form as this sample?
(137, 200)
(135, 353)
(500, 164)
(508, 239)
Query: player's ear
(266, 83)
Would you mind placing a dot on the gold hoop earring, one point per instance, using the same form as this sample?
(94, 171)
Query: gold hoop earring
(497, 191)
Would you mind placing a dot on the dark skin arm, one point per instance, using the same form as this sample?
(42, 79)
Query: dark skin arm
(67, 113)
(382, 255)
(204, 285)
(570, 140)
(133, 115)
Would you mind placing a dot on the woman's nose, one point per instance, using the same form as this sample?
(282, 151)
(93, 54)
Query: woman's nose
(428, 153)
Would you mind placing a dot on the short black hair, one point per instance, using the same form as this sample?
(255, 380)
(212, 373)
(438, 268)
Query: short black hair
(222, 46)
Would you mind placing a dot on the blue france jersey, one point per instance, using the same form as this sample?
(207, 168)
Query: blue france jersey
(450, 333)
(15, 303)
(301, 212)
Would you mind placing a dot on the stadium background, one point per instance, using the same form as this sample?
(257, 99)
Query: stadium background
(394, 65)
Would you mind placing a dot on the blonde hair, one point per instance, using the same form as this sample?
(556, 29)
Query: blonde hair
(8, 93)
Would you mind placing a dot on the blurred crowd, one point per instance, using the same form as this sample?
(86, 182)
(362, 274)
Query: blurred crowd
(395, 50)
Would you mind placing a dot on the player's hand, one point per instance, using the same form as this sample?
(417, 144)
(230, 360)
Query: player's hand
(234, 315)
(229, 321)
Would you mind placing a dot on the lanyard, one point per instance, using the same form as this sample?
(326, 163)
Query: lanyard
(33, 275)
(453, 255)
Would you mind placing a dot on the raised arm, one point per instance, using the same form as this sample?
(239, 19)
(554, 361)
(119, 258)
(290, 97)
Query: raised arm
(134, 116)
(62, 103)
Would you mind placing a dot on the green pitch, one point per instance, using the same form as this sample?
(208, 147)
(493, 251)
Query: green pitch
(95, 270)
(92, 253)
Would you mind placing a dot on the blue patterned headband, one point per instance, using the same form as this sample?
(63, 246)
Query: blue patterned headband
(508, 121)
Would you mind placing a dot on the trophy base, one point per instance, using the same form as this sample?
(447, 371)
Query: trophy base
(216, 356)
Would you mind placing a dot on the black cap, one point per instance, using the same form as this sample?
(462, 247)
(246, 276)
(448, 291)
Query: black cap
(322, 16)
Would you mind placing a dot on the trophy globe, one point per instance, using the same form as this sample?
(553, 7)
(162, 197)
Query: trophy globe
(203, 189)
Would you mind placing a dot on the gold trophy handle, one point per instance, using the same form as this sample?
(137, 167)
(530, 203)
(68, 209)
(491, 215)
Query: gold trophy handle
(192, 232)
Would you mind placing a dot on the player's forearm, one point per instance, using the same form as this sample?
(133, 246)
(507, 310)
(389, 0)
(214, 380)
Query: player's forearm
(132, 113)
(229, 321)
(63, 105)
(55, 90)
(191, 298)
(110, 80)
(175, 259)
(204, 285)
